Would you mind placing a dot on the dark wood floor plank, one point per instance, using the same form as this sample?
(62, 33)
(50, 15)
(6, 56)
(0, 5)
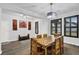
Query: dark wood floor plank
(23, 48)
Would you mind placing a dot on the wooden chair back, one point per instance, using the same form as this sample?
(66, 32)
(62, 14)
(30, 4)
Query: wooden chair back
(39, 36)
(36, 49)
(57, 34)
(62, 45)
(33, 47)
(56, 46)
(44, 35)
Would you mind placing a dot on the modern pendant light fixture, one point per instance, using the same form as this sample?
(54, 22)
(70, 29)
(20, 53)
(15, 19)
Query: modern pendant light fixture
(51, 14)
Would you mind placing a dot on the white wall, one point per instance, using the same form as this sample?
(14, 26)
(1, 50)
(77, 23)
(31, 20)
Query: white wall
(10, 35)
(43, 26)
(0, 32)
(4, 31)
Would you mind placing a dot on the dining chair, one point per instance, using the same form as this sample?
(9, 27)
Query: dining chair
(33, 47)
(57, 34)
(56, 47)
(39, 36)
(44, 35)
(62, 45)
(36, 49)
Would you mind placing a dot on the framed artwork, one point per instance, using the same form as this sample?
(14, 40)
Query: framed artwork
(14, 24)
(36, 28)
(22, 24)
(29, 25)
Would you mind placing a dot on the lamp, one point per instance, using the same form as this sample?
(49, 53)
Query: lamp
(51, 14)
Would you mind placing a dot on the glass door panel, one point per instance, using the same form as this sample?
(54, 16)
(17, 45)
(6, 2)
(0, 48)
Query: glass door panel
(67, 24)
(74, 19)
(53, 32)
(67, 31)
(53, 24)
(59, 25)
(53, 28)
(58, 30)
(56, 26)
(67, 20)
(74, 22)
(73, 31)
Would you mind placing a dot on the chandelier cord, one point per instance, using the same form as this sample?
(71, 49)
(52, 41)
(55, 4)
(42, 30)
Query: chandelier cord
(52, 14)
(51, 7)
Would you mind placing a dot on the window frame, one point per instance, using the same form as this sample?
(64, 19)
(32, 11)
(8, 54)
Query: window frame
(56, 22)
(71, 26)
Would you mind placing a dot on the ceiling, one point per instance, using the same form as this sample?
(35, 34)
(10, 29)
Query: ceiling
(39, 9)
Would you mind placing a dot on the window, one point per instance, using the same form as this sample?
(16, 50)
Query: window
(56, 26)
(71, 26)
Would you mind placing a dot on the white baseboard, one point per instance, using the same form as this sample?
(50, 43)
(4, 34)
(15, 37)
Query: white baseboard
(8, 41)
(71, 44)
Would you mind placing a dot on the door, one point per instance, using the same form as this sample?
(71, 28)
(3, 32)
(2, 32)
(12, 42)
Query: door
(56, 26)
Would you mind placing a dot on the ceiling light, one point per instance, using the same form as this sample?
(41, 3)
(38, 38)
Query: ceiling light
(51, 15)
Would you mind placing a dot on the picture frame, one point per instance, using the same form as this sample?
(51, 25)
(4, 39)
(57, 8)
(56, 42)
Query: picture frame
(29, 25)
(22, 24)
(14, 24)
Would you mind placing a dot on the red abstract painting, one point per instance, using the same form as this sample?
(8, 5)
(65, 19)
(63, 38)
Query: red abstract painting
(29, 25)
(14, 24)
(22, 24)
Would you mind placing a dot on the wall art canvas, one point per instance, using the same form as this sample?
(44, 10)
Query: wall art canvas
(14, 24)
(22, 24)
(29, 25)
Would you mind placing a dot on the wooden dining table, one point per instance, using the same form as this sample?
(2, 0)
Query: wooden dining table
(45, 42)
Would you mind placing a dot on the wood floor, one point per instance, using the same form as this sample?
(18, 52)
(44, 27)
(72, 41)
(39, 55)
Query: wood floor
(16, 48)
(23, 48)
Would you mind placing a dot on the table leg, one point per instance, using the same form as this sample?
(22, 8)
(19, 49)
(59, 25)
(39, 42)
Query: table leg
(45, 51)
